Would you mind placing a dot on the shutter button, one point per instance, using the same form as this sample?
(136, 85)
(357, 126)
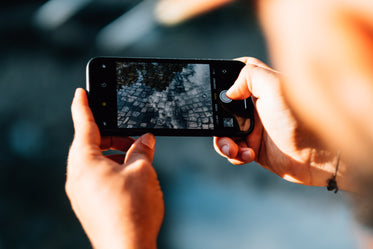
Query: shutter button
(223, 97)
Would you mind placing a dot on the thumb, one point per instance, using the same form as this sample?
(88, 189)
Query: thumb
(254, 80)
(242, 88)
(142, 149)
(86, 130)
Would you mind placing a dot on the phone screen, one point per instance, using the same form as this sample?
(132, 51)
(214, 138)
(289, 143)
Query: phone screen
(164, 96)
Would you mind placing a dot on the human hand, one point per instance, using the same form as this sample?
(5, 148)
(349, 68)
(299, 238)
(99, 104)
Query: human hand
(116, 198)
(278, 142)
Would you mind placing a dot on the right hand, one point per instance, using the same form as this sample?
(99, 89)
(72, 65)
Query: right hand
(278, 142)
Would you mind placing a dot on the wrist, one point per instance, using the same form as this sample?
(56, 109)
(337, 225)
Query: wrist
(328, 167)
(340, 177)
(123, 240)
(125, 245)
(142, 243)
(344, 177)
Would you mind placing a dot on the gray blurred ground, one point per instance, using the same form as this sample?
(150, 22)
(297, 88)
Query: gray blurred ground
(209, 204)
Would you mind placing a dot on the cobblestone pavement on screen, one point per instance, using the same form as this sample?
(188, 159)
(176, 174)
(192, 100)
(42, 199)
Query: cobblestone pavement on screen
(185, 103)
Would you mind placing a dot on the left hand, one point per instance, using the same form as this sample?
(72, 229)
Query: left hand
(117, 199)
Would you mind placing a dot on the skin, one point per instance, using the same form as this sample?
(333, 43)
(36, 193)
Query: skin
(117, 199)
(325, 49)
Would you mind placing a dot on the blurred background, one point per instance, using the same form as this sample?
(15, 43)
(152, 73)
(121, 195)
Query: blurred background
(45, 46)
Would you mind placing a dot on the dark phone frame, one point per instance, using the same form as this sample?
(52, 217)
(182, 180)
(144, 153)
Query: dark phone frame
(101, 89)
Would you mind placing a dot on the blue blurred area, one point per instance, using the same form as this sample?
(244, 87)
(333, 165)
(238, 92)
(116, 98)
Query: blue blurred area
(209, 204)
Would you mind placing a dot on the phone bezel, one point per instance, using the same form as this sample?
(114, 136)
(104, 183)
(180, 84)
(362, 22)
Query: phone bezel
(106, 116)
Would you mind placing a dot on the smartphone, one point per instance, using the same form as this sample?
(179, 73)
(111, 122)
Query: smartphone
(169, 97)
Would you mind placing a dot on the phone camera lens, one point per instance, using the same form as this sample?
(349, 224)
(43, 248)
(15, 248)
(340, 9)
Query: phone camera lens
(103, 66)
(224, 71)
(103, 84)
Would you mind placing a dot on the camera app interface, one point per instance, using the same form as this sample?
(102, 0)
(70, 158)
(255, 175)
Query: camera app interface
(164, 96)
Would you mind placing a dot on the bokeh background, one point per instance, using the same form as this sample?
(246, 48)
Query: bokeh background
(44, 47)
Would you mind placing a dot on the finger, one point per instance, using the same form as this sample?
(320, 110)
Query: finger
(86, 130)
(254, 79)
(116, 143)
(237, 161)
(142, 149)
(116, 158)
(237, 154)
(226, 147)
(244, 156)
(241, 88)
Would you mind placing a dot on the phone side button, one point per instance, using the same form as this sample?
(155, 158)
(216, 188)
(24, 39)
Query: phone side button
(214, 83)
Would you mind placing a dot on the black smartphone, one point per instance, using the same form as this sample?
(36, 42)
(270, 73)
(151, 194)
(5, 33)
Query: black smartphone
(170, 97)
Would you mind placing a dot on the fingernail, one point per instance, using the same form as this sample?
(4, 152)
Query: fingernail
(78, 94)
(247, 156)
(148, 140)
(77, 90)
(225, 150)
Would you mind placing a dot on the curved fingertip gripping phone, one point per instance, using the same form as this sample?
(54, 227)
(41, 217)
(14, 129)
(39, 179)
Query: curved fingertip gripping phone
(169, 97)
